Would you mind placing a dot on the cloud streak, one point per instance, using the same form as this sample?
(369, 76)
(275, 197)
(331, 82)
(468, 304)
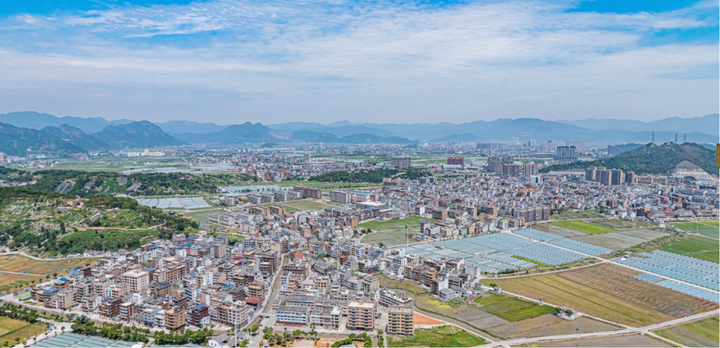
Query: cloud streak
(278, 61)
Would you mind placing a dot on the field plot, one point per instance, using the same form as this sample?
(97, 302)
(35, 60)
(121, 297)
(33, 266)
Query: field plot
(560, 231)
(705, 228)
(305, 205)
(9, 281)
(617, 224)
(18, 263)
(412, 221)
(620, 240)
(442, 336)
(697, 247)
(392, 232)
(511, 309)
(10, 325)
(587, 214)
(703, 333)
(623, 341)
(549, 325)
(608, 292)
(201, 217)
(582, 226)
(24, 333)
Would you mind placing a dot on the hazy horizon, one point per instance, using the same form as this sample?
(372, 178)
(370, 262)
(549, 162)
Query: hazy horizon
(232, 61)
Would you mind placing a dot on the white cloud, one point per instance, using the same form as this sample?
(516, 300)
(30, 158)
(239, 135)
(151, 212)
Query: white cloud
(326, 61)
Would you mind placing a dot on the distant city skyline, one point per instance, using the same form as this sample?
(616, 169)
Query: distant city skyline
(230, 61)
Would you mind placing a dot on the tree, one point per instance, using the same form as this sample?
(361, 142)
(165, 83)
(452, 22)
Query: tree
(254, 328)
(380, 332)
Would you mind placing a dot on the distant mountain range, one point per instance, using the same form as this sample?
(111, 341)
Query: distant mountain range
(650, 159)
(96, 134)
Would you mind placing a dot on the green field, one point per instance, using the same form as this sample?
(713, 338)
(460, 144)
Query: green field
(703, 333)
(412, 221)
(202, 217)
(705, 228)
(697, 247)
(512, 309)
(12, 328)
(305, 205)
(442, 336)
(585, 214)
(583, 227)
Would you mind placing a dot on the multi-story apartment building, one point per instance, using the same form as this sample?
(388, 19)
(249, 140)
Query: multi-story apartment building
(401, 321)
(361, 315)
(137, 280)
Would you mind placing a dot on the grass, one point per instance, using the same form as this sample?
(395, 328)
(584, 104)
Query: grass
(583, 227)
(24, 333)
(694, 246)
(423, 299)
(9, 325)
(608, 292)
(442, 336)
(703, 333)
(585, 214)
(305, 205)
(512, 309)
(531, 261)
(705, 228)
(202, 217)
(410, 221)
(18, 263)
(232, 238)
(389, 238)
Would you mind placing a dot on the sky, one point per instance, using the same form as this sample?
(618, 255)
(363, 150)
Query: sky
(398, 61)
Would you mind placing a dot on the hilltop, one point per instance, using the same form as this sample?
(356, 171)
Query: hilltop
(16, 141)
(650, 159)
(142, 134)
(77, 137)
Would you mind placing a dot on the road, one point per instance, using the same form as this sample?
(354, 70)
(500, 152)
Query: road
(628, 331)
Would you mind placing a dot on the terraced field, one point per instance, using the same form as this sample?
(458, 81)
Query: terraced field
(608, 292)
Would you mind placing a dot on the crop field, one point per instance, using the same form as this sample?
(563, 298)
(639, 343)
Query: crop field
(23, 333)
(18, 263)
(703, 333)
(441, 336)
(622, 239)
(697, 247)
(11, 282)
(202, 217)
(560, 231)
(609, 292)
(706, 228)
(389, 238)
(412, 221)
(617, 224)
(622, 341)
(512, 309)
(587, 214)
(305, 205)
(582, 226)
(549, 325)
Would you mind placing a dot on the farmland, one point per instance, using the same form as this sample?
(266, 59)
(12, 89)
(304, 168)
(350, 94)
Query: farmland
(201, 217)
(703, 333)
(305, 205)
(582, 226)
(621, 341)
(34, 270)
(13, 328)
(608, 292)
(511, 309)
(706, 228)
(442, 336)
(549, 325)
(392, 232)
(411, 221)
(697, 247)
(621, 239)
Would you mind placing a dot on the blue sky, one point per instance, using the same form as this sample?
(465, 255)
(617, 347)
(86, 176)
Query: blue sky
(230, 61)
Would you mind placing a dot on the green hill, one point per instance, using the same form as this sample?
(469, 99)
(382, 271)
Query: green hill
(16, 141)
(650, 159)
(138, 135)
(77, 137)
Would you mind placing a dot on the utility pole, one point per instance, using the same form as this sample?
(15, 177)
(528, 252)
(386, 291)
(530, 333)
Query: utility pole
(407, 237)
(653, 137)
